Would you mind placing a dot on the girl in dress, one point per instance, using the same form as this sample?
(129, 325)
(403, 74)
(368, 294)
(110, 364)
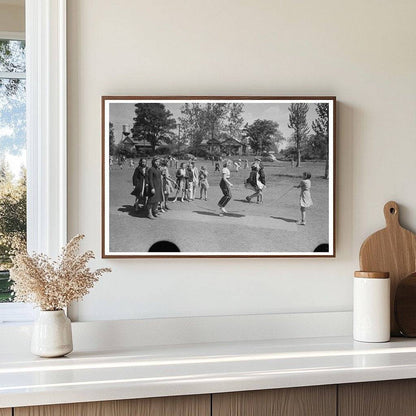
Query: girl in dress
(180, 182)
(168, 185)
(305, 199)
(203, 183)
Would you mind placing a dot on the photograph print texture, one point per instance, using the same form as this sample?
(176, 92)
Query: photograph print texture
(218, 176)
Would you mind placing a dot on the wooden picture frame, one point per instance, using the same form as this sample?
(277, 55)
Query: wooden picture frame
(246, 134)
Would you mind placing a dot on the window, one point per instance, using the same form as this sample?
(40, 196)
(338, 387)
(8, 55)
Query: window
(45, 90)
(12, 153)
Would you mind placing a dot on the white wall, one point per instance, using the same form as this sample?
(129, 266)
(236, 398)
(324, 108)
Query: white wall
(361, 51)
(12, 18)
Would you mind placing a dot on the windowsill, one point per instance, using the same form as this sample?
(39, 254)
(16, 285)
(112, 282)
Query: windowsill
(16, 313)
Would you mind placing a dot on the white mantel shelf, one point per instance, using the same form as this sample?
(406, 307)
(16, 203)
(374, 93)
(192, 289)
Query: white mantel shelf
(152, 371)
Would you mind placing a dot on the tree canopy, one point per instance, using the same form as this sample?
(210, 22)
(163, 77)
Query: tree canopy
(210, 121)
(321, 129)
(112, 140)
(154, 123)
(262, 135)
(12, 213)
(298, 122)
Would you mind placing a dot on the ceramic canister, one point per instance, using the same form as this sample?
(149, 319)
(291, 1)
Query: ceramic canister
(371, 313)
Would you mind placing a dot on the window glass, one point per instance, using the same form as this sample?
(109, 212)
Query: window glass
(12, 56)
(12, 156)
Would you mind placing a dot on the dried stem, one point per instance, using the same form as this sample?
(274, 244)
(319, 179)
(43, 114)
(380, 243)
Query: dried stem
(53, 285)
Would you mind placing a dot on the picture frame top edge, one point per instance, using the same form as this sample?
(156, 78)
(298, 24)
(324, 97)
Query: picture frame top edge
(218, 97)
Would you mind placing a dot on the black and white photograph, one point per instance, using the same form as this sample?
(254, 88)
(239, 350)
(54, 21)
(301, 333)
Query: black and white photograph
(218, 176)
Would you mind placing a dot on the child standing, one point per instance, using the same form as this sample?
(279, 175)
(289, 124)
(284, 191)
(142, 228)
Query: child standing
(305, 199)
(189, 183)
(168, 185)
(180, 183)
(203, 183)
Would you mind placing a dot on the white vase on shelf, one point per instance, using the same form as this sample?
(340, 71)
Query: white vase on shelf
(52, 334)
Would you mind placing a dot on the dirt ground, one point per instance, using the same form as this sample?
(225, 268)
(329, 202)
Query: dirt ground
(248, 227)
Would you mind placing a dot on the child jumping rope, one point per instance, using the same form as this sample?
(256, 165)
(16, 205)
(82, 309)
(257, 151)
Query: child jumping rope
(305, 199)
(225, 186)
(253, 182)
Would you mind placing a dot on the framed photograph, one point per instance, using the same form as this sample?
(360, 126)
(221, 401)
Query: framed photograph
(218, 176)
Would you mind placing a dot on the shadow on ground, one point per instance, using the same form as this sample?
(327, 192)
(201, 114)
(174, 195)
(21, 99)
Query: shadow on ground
(215, 214)
(283, 219)
(232, 214)
(129, 209)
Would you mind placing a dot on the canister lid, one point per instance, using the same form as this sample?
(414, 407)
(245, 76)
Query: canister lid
(372, 275)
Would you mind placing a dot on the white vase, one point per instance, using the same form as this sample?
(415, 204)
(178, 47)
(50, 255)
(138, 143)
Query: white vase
(52, 334)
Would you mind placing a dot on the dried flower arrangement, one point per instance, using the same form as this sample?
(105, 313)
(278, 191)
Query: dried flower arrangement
(53, 285)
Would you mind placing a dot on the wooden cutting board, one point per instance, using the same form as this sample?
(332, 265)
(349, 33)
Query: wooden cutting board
(393, 250)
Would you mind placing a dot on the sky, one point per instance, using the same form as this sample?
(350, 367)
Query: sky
(12, 145)
(123, 113)
(13, 110)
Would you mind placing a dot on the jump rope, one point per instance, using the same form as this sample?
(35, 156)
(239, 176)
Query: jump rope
(281, 196)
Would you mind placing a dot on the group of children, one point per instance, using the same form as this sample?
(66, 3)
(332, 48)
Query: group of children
(189, 178)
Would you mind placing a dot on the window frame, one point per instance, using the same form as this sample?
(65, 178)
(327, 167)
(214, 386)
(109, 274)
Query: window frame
(46, 135)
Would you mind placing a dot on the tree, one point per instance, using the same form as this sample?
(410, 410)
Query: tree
(6, 176)
(209, 121)
(234, 120)
(321, 129)
(180, 140)
(297, 122)
(12, 213)
(192, 125)
(215, 115)
(262, 135)
(153, 122)
(112, 140)
(314, 148)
